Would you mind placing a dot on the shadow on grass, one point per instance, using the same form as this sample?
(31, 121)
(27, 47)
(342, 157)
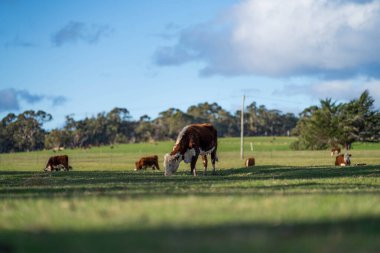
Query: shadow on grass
(282, 172)
(241, 181)
(351, 235)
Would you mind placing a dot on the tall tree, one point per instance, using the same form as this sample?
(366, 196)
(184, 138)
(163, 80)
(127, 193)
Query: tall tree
(24, 132)
(171, 121)
(331, 124)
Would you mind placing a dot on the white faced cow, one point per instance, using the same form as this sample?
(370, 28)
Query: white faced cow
(192, 141)
(343, 160)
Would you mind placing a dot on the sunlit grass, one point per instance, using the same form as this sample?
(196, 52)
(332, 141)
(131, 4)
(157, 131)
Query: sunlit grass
(292, 201)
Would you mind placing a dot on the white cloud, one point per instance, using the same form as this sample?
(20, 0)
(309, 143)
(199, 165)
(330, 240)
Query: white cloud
(274, 38)
(341, 90)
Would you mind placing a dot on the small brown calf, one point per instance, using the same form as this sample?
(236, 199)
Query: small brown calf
(58, 162)
(343, 160)
(335, 151)
(250, 161)
(148, 161)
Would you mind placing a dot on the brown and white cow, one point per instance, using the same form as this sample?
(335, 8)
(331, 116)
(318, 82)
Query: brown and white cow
(148, 161)
(58, 162)
(250, 161)
(343, 160)
(335, 151)
(192, 141)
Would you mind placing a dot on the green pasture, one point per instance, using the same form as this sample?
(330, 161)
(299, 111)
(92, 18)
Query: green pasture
(266, 150)
(292, 201)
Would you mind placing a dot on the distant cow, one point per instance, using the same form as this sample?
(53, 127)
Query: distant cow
(149, 161)
(343, 160)
(58, 162)
(250, 161)
(335, 151)
(55, 149)
(192, 141)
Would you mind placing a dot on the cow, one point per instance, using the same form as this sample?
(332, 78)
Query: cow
(343, 160)
(250, 161)
(58, 162)
(192, 141)
(335, 151)
(148, 161)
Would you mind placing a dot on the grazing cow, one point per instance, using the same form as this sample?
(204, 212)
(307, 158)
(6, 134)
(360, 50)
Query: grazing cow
(335, 151)
(149, 161)
(58, 162)
(250, 162)
(192, 141)
(343, 160)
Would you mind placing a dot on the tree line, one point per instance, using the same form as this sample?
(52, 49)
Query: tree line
(24, 132)
(317, 127)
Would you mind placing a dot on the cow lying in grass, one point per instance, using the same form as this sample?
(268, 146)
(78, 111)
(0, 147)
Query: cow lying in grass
(57, 163)
(343, 160)
(192, 141)
(250, 161)
(149, 161)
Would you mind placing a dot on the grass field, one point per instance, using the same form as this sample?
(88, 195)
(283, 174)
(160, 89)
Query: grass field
(292, 201)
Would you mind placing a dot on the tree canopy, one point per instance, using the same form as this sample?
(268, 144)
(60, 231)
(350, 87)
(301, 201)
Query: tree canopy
(24, 132)
(332, 124)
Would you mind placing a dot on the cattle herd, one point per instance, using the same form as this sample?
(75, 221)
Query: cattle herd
(193, 141)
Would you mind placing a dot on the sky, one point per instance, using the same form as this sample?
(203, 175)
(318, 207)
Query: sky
(82, 57)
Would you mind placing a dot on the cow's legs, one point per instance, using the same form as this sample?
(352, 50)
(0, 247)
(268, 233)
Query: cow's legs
(156, 164)
(204, 159)
(214, 158)
(194, 162)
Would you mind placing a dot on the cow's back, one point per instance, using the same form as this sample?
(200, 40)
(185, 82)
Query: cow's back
(206, 134)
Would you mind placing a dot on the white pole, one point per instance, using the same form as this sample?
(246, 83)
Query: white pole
(242, 131)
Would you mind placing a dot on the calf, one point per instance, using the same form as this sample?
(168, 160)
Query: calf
(58, 162)
(335, 151)
(343, 160)
(149, 161)
(250, 162)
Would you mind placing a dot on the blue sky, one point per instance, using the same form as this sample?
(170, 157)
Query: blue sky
(85, 57)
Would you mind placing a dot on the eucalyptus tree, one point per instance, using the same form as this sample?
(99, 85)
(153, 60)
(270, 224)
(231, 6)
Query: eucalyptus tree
(331, 124)
(23, 132)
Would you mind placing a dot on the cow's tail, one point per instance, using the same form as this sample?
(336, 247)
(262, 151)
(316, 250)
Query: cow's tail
(216, 144)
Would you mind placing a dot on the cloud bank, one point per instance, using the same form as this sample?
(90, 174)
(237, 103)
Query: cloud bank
(336, 89)
(78, 31)
(324, 38)
(10, 99)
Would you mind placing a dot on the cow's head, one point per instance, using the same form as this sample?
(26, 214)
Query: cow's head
(48, 167)
(137, 166)
(347, 159)
(171, 163)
